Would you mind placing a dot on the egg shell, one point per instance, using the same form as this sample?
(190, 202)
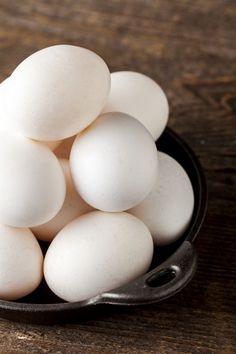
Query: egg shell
(56, 92)
(4, 125)
(96, 253)
(32, 183)
(21, 262)
(141, 97)
(73, 207)
(114, 163)
(168, 209)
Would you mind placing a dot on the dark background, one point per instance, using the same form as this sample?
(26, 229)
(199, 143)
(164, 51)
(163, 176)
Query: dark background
(189, 48)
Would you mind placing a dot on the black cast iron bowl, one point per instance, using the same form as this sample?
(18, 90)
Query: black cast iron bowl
(172, 267)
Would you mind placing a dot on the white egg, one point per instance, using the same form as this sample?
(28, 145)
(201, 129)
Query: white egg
(21, 263)
(32, 184)
(141, 97)
(168, 209)
(114, 163)
(56, 92)
(73, 207)
(4, 124)
(96, 253)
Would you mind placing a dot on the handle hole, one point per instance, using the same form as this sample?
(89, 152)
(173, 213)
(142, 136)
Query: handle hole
(161, 278)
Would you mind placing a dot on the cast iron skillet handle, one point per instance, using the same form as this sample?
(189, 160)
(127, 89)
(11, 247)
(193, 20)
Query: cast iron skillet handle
(160, 283)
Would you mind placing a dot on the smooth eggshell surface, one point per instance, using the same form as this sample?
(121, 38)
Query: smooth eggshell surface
(114, 163)
(32, 183)
(4, 124)
(73, 207)
(96, 253)
(21, 263)
(168, 209)
(56, 92)
(141, 97)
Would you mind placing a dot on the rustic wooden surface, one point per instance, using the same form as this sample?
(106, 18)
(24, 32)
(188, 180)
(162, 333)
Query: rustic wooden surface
(189, 47)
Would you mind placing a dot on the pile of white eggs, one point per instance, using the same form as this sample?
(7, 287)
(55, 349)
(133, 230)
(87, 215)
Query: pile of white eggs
(105, 206)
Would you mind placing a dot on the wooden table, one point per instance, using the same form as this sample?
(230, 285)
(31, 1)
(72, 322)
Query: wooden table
(189, 47)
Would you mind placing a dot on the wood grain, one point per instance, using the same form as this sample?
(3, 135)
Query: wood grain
(189, 47)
